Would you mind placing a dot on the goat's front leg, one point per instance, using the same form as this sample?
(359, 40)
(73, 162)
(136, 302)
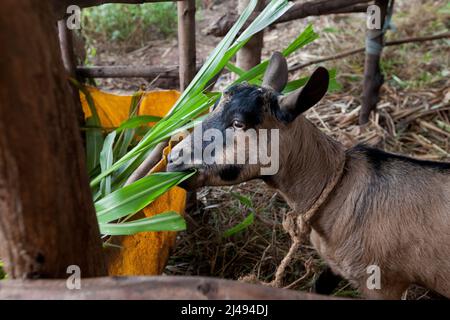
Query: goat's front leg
(327, 282)
(389, 291)
(395, 294)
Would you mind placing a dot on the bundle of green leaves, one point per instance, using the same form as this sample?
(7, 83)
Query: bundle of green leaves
(112, 159)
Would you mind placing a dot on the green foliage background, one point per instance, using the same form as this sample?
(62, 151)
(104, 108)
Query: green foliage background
(119, 22)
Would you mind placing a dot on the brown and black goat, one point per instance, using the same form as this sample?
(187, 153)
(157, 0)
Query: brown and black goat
(385, 210)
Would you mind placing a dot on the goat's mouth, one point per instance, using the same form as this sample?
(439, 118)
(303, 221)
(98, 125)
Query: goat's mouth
(196, 181)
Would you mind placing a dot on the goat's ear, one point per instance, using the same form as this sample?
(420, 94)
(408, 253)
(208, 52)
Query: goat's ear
(276, 75)
(304, 98)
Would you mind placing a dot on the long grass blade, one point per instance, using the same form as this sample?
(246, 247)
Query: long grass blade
(106, 161)
(137, 121)
(241, 226)
(167, 221)
(134, 197)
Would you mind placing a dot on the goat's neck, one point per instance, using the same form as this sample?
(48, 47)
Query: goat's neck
(309, 160)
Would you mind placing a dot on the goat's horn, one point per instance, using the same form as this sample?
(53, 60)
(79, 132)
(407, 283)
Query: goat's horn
(276, 75)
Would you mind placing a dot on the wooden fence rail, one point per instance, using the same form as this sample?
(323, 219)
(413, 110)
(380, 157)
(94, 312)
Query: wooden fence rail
(150, 288)
(298, 11)
(60, 6)
(171, 72)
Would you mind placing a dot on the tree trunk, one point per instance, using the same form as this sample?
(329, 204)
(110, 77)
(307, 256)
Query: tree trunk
(186, 42)
(250, 55)
(47, 219)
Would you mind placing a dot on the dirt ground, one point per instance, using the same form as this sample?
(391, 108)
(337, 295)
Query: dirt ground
(413, 119)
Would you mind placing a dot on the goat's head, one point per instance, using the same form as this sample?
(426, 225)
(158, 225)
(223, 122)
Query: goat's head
(222, 147)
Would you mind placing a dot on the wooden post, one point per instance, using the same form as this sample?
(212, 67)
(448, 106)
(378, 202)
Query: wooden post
(47, 219)
(250, 55)
(373, 78)
(68, 58)
(186, 42)
(187, 61)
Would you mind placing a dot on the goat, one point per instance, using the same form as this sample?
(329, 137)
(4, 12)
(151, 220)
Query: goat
(385, 210)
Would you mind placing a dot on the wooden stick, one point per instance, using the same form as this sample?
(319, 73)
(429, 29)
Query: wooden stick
(66, 46)
(150, 288)
(362, 49)
(298, 11)
(144, 168)
(186, 42)
(129, 71)
(60, 6)
(68, 57)
(322, 7)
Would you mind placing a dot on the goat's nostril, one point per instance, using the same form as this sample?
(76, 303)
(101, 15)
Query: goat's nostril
(170, 158)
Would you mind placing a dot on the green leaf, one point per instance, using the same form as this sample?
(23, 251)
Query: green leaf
(247, 202)
(241, 226)
(126, 136)
(136, 100)
(94, 143)
(134, 197)
(2, 272)
(306, 37)
(94, 136)
(167, 221)
(89, 100)
(254, 75)
(106, 160)
(296, 84)
(233, 68)
(137, 121)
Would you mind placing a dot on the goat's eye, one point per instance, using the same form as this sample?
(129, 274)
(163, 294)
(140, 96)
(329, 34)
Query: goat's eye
(238, 125)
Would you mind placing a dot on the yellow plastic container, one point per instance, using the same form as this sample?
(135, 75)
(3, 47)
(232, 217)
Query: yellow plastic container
(145, 253)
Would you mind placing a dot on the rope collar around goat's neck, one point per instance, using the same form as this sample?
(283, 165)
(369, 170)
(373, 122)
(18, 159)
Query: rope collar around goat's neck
(299, 225)
(304, 219)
